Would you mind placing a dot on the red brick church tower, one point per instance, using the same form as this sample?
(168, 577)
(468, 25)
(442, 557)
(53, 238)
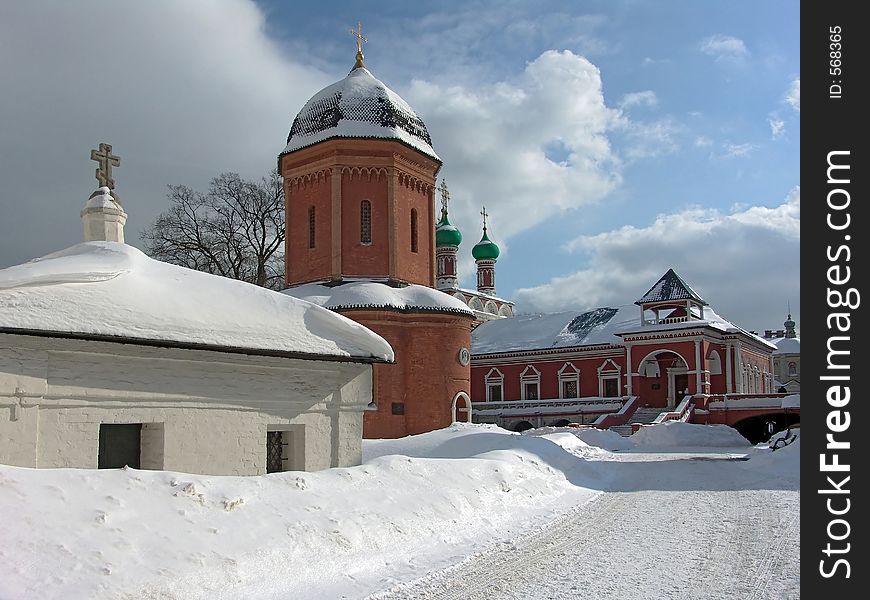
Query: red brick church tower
(359, 176)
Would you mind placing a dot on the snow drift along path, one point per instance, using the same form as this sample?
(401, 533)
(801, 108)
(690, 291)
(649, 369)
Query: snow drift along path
(701, 526)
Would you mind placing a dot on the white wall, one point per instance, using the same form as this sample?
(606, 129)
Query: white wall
(204, 412)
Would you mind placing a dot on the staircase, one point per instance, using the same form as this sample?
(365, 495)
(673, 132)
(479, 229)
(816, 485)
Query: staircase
(644, 414)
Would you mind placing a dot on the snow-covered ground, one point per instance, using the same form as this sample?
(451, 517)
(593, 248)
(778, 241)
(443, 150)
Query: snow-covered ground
(471, 511)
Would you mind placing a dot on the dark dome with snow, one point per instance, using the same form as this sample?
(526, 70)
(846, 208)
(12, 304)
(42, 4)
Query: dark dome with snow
(358, 106)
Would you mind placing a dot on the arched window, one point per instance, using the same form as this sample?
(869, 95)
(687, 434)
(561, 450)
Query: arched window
(311, 227)
(714, 364)
(365, 222)
(414, 246)
(792, 369)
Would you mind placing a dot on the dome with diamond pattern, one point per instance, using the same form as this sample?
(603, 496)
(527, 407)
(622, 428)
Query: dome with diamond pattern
(358, 106)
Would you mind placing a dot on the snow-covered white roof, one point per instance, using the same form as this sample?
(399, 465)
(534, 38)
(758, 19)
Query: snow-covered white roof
(358, 106)
(112, 290)
(570, 329)
(786, 345)
(374, 295)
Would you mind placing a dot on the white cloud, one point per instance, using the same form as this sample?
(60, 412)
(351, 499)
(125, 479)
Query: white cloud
(750, 286)
(647, 139)
(777, 127)
(725, 48)
(738, 150)
(183, 91)
(703, 141)
(498, 137)
(645, 98)
(793, 96)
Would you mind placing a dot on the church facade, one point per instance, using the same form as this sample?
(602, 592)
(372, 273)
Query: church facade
(359, 174)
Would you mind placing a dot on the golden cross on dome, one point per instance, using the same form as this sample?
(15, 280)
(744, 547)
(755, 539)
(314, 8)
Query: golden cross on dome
(106, 160)
(360, 40)
(445, 196)
(485, 215)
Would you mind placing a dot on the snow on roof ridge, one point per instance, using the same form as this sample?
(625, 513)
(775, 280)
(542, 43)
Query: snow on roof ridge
(377, 295)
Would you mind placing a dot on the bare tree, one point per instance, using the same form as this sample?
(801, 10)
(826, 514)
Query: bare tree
(236, 229)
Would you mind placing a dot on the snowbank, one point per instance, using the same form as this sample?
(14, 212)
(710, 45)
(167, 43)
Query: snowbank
(589, 437)
(111, 289)
(337, 533)
(783, 462)
(675, 433)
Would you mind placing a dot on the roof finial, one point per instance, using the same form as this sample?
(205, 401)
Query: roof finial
(485, 215)
(445, 198)
(360, 40)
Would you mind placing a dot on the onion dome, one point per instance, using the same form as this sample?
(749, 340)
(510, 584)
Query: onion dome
(447, 234)
(789, 327)
(485, 249)
(359, 106)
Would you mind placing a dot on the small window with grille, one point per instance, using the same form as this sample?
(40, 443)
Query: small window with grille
(365, 222)
(312, 227)
(414, 241)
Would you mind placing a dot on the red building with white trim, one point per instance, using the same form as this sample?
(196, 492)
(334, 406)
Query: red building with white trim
(575, 367)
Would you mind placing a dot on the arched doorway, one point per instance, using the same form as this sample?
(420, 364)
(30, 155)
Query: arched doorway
(461, 408)
(664, 376)
(522, 426)
(562, 423)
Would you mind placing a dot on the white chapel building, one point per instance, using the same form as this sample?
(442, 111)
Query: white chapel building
(110, 358)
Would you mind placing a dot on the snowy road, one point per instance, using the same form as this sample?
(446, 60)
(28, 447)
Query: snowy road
(642, 540)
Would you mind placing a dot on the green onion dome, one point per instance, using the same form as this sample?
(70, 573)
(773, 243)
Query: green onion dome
(447, 234)
(485, 249)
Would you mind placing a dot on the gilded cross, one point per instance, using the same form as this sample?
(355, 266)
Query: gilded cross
(360, 40)
(485, 215)
(445, 196)
(106, 160)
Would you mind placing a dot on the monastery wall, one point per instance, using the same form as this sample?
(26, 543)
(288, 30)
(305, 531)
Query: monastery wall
(201, 411)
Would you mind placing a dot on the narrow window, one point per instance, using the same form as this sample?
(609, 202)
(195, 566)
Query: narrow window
(792, 369)
(311, 227)
(414, 247)
(531, 391)
(365, 222)
(569, 389)
(275, 450)
(494, 390)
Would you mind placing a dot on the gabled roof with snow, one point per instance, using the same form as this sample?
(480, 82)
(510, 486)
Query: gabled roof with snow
(374, 295)
(670, 287)
(358, 106)
(574, 329)
(108, 290)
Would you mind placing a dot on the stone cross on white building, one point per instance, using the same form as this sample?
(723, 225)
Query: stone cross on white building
(102, 216)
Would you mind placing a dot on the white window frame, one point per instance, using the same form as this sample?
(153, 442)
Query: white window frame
(613, 372)
(567, 374)
(530, 379)
(494, 378)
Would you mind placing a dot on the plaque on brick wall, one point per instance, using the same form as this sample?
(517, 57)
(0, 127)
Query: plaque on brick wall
(464, 357)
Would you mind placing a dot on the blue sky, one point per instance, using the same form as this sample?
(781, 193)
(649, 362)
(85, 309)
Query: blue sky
(608, 140)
